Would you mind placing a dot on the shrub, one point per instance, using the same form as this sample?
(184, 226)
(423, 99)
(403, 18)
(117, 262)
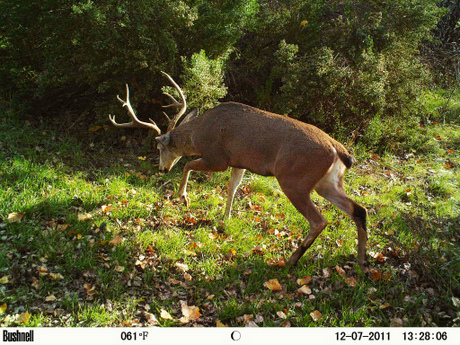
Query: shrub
(337, 64)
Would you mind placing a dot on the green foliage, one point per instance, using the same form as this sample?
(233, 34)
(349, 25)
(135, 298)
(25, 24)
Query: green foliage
(338, 64)
(56, 55)
(203, 80)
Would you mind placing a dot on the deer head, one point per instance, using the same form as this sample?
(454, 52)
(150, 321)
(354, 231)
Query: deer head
(169, 155)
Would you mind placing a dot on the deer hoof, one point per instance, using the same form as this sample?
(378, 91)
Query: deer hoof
(185, 198)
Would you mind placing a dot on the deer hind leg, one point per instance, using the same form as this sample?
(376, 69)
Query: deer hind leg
(331, 188)
(197, 165)
(235, 180)
(300, 198)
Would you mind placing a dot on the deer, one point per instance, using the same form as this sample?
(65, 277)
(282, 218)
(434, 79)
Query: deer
(302, 158)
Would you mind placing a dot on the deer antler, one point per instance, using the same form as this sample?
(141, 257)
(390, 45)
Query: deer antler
(175, 104)
(135, 122)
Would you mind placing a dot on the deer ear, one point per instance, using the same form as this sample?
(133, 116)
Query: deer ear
(190, 115)
(164, 139)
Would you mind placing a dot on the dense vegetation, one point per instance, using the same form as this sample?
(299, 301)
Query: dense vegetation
(338, 64)
(92, 235)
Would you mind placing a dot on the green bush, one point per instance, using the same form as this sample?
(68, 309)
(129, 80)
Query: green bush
(337, 64)
(58, 54)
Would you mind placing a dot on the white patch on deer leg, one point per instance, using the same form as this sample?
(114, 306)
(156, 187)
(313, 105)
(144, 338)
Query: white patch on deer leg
(330, 187)
(235, 180)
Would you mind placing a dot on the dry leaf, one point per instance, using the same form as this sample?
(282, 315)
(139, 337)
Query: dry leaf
(182, 267)
(277, 262)
(151, 319)
(106, 208)
(50, 298)
(352, 281)
(273, 285)
(327, 272)
(316, 315)
(341, 271)
(396, 322)
(90, 290)
(24, 317)
(15, 217)
(187, 277)
(116, 240)
(173, 281)
(259, 318)
(84, 217)
(303, 281)
(56, 276)
(281, 315)
(3, 308)
(190, 313)
(384, 306)
(305, 290)
(119, 268)
(43, 271)
(165, 315)
(4, 280)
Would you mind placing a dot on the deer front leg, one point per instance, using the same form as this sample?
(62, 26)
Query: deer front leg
(197, 165)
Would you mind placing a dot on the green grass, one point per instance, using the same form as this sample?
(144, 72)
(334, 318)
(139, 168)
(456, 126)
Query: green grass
(103, 239)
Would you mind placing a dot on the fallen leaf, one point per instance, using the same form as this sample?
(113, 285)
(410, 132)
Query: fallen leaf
(56, 276)
(316, 315)
(182, 267)
(281, 315)
(305, 290)
(50, 298)
(165, 315)
(273, 285)
(384, 305)
(190, 313)
(303, 281)
(15, 217)
(106, 208)
(376, 275)
(151, 319)
(119, 268)
(3, 308)
(90, 290)
(173, 281)
(259, 318)
(187, 277)
(277, 262)
(340, 271)
(116, 240)
(84, 217)
(23, 317)
(43, 271)
(456, 302)
(352, 281)
(327, 272)
(258, 250)
(4, 280)
(396, 322)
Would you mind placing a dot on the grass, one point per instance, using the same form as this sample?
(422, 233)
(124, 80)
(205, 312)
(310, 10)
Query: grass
(92, 235)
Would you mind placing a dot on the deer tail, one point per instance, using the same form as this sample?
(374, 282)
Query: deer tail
(343, 154)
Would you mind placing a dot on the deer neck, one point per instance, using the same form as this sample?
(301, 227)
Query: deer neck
(181, 139)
